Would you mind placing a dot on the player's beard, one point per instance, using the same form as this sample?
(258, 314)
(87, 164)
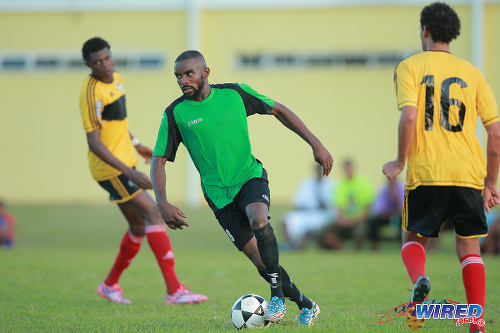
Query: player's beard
(196, 91)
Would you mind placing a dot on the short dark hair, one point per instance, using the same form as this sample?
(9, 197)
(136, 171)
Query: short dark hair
(442, 22)
(190, 54)
(93, 45)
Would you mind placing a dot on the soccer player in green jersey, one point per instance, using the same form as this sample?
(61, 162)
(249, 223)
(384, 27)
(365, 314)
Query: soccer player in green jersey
(211, 122)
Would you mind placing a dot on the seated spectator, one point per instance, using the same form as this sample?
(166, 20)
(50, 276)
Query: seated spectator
(7, 232)
(386, 210)
(491, 243)
(312, 211)
(353, 197)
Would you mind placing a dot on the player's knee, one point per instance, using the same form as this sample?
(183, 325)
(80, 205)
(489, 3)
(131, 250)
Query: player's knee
(138, 230)
(258, 221)
(152, 214)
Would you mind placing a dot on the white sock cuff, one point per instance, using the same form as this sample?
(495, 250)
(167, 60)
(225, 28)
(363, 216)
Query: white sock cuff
(155, 228)
(471, 260)
(135, 239)
(412, 243)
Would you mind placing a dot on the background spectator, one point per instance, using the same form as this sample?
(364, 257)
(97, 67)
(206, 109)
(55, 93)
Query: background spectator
(313, 209)
(386, 210)
(353, 196)
(7, 230)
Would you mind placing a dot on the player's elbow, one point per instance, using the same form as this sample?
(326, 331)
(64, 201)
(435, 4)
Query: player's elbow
(494, 135)
(278, 109)
(410, 114)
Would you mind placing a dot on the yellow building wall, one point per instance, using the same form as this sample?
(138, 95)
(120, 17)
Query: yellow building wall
(352, 110)
(44, 149)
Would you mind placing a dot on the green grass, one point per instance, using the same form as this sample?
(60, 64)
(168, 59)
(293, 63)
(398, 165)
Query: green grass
(48, 281)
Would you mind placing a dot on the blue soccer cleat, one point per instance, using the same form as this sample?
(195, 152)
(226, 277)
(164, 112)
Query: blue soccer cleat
(308, 316)
(276, 310)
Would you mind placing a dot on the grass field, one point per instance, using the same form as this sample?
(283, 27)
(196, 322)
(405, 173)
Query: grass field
(48, 281)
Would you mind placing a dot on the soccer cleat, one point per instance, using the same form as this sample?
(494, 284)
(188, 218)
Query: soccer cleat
(184, 296)
(418, 294)
(112, 293)
(308, 316)
(276, 310)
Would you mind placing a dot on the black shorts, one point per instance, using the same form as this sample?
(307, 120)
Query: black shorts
(233, 218)
(120, 188)
(426, 208)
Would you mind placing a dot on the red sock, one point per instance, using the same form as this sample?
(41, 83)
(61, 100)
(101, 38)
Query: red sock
(160, 244)
(413, 255)
(129, 247)
(474, 282)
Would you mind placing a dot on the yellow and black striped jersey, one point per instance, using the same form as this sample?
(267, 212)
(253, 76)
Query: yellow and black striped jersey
(103, 107)
(449, 94)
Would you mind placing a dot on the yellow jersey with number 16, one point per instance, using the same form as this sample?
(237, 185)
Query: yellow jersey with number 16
(103, 107)
(449, 94)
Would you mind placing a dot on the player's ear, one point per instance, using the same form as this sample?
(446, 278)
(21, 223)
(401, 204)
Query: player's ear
(206, 72)
(425, 31)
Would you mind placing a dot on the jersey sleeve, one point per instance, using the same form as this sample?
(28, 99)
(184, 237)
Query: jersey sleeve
(169, 136)
(254, 102)
(486, 103)
(404, 82)
(90, 106)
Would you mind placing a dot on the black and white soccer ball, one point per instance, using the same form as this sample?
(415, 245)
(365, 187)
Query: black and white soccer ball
(248, 312)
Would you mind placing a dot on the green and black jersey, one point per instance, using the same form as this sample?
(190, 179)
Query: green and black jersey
(215, 133)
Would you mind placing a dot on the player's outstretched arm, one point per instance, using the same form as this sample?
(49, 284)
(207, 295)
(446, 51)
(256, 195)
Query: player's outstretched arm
(172, 215)
(142, 150)
(100, 149)
(406, 131)
(491, 196)
(293, 122)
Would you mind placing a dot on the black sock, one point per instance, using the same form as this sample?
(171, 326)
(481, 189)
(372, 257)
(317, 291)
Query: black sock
(290, 290)
(268, 250)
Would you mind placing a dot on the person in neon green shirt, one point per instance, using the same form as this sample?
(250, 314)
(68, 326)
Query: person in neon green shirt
(353, 197)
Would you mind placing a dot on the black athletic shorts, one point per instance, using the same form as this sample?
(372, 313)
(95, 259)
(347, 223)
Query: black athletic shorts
(233, 219)
(120, 188)
(426, 208)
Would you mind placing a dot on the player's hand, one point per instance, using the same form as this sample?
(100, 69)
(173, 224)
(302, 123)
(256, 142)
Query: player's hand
(323, 158)
(491, 197)
(139, 179)
(145, 152)
(172, 216)
(392, 169)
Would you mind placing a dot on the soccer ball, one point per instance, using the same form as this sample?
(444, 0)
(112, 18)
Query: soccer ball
(248, 312)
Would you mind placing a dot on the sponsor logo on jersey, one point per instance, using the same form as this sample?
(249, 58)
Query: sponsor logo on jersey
(265, 197)
(194, 122)
(98, 107)
(120, 86)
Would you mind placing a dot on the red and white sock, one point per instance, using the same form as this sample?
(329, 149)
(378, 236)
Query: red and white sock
(160, 244)
(129, 247)
(413, 255)
(474, 282)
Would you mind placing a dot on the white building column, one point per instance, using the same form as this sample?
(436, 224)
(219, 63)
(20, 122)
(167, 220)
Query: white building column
(477, 48)
(193, 11)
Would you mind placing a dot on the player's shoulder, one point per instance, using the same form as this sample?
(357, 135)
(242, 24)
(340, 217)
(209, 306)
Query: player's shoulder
(174, 104)
(117, 76)
(90, 81)
(410, 60)
(90, 87)
(229, 85)
(466, 65)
